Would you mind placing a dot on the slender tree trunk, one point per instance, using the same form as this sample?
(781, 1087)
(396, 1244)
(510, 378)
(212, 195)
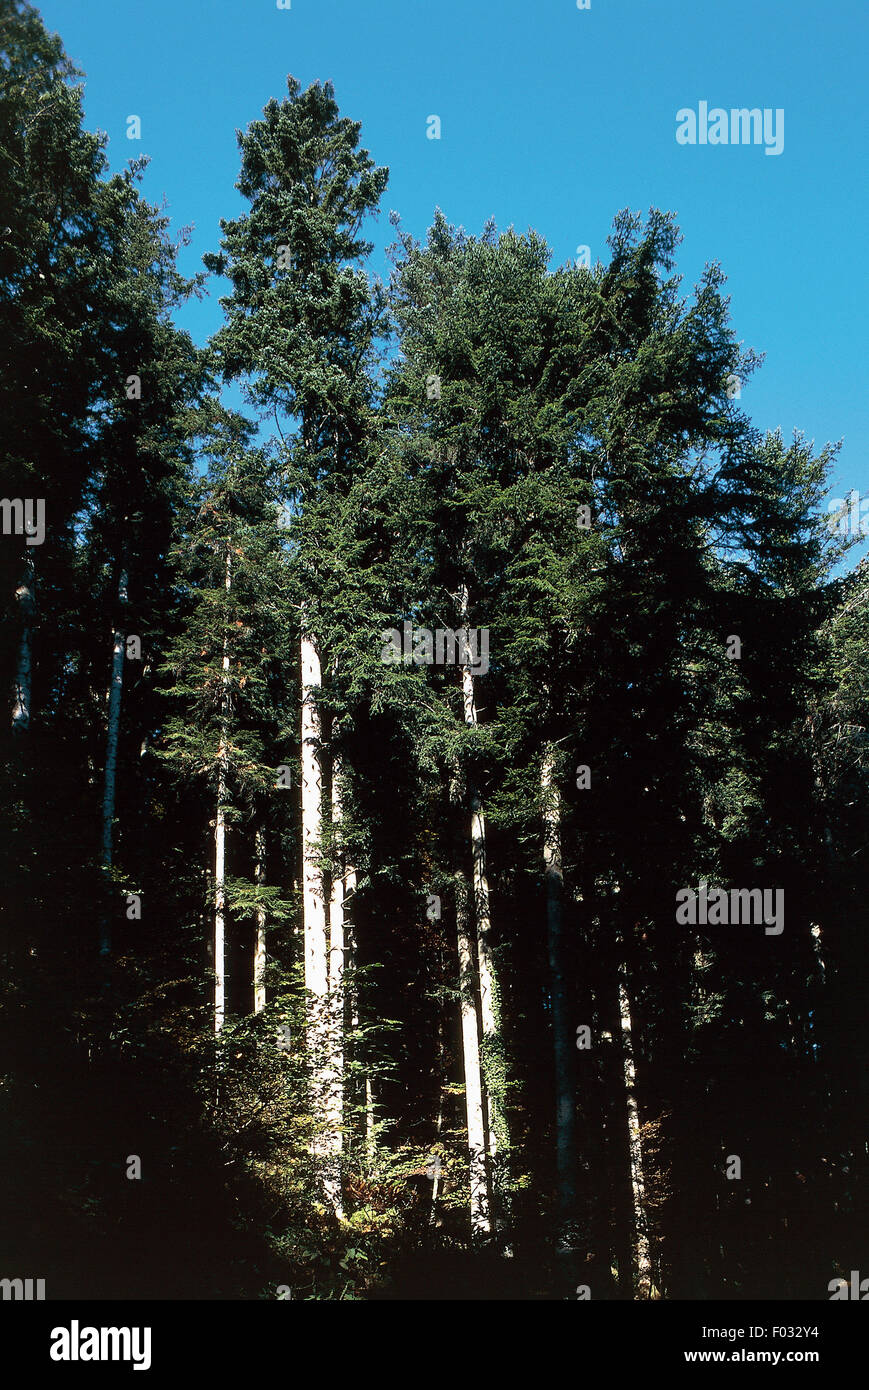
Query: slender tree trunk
(343, 884)
(490, 1010)
(435, 1186)
(370, 1124)
(436, 1176)
(220, 896)
(259, 954)
(642, 1260)
(220, 832)
(25, 597)
(314, 912)
(313, 891)
(112, 737)
(563, 1042)
(481, 1224)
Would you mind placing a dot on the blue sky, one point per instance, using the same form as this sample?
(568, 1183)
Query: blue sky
(551, 117)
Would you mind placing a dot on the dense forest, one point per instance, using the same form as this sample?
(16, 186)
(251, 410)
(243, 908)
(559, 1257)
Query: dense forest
(434, 796)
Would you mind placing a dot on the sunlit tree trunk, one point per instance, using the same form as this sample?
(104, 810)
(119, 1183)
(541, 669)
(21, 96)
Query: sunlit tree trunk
(642, 1260)
(259, 953)
(314, 914)
(370, 1124)
(480, 1217)
(112, 737)
(343, 886)
(220, 831)
(436, 1175)
(220, 896)
(313, 890)
(491, 1049)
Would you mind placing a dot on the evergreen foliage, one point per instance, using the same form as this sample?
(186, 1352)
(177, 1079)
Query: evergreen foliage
(487, 444)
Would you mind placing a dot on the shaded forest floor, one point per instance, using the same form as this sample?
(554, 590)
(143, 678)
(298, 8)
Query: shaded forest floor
(198, 1226)
(189, 1227)
(70, 1215)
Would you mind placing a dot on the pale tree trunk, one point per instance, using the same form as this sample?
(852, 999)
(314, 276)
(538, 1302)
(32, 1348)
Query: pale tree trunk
(112, 737)
(313, 891)
(259, 953)
(343, 886)
(435, 1186)
(436, 1175)
(220, 833)
(481, 1224)
(220, 896)
(643, 1263)
(370, 1131)
(563, 1042)
(25, 597)
(489, 993)
(314, 914)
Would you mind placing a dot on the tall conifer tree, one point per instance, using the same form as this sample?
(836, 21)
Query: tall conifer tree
(301, 326)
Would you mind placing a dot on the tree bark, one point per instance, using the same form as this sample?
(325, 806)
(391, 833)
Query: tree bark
(481, 1224)
(220, 897)
(116, 687)
(220, 831)
(259, 954)
(370, 1129)
(313, 891)
(642, 1260)
(343, 885)
(563, 1042)
(436, 1176)
(314, 915)
(490, 1011)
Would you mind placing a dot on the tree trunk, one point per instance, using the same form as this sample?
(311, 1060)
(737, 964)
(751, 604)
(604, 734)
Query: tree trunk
(436, 1175)
(259, 954)
(370, 1130)
(112, 736)
(220, 833)
(220, 896)
(490, 1011)
(563, 1042)
(25, 596)
(480, 1219)
(313, 891)
(343, 884)
(314, 913)
(642, 1260)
